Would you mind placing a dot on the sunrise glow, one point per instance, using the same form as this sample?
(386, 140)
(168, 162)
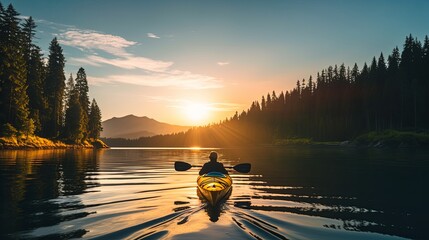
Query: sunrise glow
(197, 112)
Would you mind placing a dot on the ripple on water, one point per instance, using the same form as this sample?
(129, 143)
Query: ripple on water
(135, 194)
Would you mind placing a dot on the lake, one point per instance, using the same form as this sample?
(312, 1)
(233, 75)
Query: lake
(327, 192)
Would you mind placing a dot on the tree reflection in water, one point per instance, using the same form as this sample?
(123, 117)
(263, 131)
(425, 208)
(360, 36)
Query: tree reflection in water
(30, 178)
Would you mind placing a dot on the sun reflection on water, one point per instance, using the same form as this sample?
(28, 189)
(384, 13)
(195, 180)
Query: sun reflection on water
(135, 193)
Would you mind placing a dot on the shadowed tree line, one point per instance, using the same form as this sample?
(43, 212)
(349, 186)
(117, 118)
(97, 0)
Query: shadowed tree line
(340, 103)
(34, 98)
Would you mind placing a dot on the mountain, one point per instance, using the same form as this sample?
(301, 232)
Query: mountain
(132, 127)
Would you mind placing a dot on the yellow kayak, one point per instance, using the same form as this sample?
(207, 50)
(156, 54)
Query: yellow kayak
(214, 186)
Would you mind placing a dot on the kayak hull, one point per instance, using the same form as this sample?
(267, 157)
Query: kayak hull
(214, 187)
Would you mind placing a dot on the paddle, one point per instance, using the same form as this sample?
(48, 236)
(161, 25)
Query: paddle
(183, 166)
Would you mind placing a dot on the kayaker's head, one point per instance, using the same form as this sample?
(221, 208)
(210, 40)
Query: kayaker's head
(213, 156)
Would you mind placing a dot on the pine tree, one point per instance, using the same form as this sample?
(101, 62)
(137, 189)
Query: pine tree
(54, 90)
(425, 79)
(83, 89)
(3, 98)
(94, 123)
(2, 39)
(73, 126)
(393, 87)
(28, 31)
(13, 100)
(354, 73)
(35, 74)
(36, 83)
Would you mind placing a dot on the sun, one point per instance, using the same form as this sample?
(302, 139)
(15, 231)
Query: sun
(197, 112)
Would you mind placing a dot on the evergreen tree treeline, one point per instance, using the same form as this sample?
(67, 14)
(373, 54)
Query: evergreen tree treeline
(345, 102)
(34, 98)
(341, 103)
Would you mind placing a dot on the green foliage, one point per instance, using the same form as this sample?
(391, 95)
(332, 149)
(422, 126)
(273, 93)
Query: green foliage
(74, 125)
(94, 124)
(393, 138)
(29, 128)
(32, 95)
(54, 89)
(36, 81)
(293, 141)
(82, 87)
(7, 130)
(13, 103)
(28, 33)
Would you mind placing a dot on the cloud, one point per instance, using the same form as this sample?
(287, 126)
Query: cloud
(131, 62)
(183, 103)
(85, 61)
(53, 25)
(225, 107)
(155, 73)
(90, 40)
(173, 78)
(152, 35)
(222, 63)
(22, 17)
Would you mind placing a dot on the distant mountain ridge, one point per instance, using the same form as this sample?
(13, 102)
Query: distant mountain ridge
(132, 127)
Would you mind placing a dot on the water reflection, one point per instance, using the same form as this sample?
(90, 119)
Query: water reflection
(367, 190)
(291, 193)
(214, 212)
(30, 180)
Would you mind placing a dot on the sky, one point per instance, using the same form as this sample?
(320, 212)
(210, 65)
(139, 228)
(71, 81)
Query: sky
(198, 62)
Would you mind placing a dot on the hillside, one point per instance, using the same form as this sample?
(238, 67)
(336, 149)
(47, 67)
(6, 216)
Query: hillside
(132, 127)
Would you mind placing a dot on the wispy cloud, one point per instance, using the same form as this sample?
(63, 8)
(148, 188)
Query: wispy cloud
(22, 17)
(131, 62)
(152, 35)
(54, 25)
(225, 107)
(222, 63)
(90, 40)
(183, 103)
(80, 61)
(101, 49)
(174, 78)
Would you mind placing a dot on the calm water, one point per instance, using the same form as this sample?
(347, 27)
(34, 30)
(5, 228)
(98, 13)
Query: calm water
(291, 193)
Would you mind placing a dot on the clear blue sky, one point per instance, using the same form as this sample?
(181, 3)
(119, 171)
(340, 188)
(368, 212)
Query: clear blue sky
(168, 59)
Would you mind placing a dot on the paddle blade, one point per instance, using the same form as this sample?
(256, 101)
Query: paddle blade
(182, 166)
(242, 168)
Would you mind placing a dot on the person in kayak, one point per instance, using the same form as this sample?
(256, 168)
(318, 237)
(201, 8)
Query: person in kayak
(213, 165)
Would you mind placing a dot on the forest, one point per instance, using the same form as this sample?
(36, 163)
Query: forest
(340, 103)
(34, 96)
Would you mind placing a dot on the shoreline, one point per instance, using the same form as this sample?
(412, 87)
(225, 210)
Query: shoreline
(35, 142)
(382, 139)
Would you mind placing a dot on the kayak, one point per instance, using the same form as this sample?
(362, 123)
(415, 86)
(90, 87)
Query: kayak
(214, 186)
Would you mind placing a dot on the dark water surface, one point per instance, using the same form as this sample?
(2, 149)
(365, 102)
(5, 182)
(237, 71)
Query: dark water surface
(291, 193)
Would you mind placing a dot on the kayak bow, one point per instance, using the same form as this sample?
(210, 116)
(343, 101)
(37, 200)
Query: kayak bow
(214, 186)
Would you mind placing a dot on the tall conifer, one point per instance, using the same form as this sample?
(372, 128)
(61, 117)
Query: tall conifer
(94, 123)
(54, 89)
(83, 89)
(36, 83)
(13, 100)
(73, 126)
